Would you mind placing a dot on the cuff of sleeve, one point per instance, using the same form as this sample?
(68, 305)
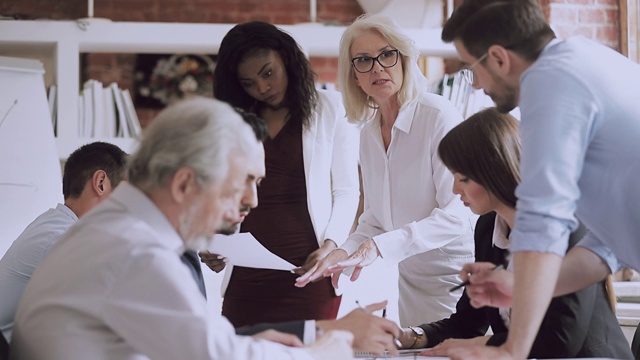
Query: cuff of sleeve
(550, 237)
(390, 246)
(309, 336)
(594, 245)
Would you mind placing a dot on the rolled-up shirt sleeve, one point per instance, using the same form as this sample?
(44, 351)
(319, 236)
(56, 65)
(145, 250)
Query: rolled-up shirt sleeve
(593, 244)
(556, 131)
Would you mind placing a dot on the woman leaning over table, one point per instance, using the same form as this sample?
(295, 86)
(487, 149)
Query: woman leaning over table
(483, 153)
(410, 215)
(308, 199)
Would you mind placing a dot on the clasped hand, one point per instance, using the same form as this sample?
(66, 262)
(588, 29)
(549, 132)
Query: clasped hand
(338, 260)
(215, 262)
(312, 260)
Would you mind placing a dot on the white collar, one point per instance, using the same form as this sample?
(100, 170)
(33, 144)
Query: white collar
(500, 230)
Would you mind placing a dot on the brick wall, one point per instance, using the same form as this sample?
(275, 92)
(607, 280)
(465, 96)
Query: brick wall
(595, 19)
(120, 67)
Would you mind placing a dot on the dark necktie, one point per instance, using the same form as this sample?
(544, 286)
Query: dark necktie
(190, 258)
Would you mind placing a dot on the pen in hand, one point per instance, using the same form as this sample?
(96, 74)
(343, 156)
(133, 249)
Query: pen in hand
(396, 341)
(497, 267)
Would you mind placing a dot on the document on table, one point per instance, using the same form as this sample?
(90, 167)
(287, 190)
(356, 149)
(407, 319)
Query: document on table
(402, 354)
(243, 249)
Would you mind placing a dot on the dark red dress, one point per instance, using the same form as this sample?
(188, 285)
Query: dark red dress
(281, 222)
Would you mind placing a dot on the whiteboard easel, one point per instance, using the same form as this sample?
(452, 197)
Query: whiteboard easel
(30, 175)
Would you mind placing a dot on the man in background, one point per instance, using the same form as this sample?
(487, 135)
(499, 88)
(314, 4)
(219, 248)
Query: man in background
(90, 174)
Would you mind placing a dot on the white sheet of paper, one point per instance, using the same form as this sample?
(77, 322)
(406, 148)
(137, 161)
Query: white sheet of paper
(243, 249)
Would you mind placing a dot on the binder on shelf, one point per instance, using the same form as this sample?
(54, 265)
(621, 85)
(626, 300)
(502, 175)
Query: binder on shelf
(463, 96)
(80, 115)
(122, 128)
(87, 118)
(446, 88)
(109, 126)
(98, 123)
(132, 117)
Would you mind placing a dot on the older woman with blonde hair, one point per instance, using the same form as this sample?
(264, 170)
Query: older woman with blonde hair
(410, 215)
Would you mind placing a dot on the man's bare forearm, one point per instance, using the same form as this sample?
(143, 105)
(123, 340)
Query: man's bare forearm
(580, 268)
(535, 276)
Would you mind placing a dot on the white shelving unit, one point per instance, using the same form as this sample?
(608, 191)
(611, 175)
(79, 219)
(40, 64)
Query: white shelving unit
(58, 44)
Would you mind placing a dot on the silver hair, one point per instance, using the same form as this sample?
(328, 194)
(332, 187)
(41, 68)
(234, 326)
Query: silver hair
(198, 133)
(358, 105)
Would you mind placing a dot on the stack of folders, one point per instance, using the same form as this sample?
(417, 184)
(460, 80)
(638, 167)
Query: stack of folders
(465, 98)
(106, 112)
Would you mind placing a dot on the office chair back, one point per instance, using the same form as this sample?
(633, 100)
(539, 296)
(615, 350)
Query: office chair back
(635, 343)
(4, 348)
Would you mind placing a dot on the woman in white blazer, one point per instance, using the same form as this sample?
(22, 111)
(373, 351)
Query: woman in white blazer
(309, 197)
(411, 218)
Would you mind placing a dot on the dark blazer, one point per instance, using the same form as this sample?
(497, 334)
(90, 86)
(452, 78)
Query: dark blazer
(190, 259)
(575, 325)
(292, 327)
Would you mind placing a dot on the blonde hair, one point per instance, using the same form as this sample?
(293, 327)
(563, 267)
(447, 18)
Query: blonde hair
(357, 103)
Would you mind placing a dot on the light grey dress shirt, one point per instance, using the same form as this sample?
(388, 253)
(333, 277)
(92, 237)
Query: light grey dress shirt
(24, 255)
(580, 129)
(114, 287)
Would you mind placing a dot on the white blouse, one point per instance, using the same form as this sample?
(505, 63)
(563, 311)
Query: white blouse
(409, 204)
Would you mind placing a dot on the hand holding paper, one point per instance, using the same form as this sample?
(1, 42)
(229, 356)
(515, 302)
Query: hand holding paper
(243, 249)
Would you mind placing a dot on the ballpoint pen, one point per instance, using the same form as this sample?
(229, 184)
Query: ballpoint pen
(396, 341)
(497, 267)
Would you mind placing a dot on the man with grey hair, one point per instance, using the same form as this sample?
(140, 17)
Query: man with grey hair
(115, 288)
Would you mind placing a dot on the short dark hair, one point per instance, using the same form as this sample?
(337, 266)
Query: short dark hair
(258, 125)
(517, 25)
(257, 37)
(86, 160)
(486, 148)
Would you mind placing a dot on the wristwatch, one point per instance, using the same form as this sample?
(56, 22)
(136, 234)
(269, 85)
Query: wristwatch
(421, 337)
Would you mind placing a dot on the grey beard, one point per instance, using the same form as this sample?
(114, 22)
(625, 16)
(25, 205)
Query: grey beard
(229, 229)
(185, 225)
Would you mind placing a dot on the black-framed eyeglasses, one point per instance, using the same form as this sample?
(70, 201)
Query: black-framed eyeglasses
(468, 73)
(386, 59)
